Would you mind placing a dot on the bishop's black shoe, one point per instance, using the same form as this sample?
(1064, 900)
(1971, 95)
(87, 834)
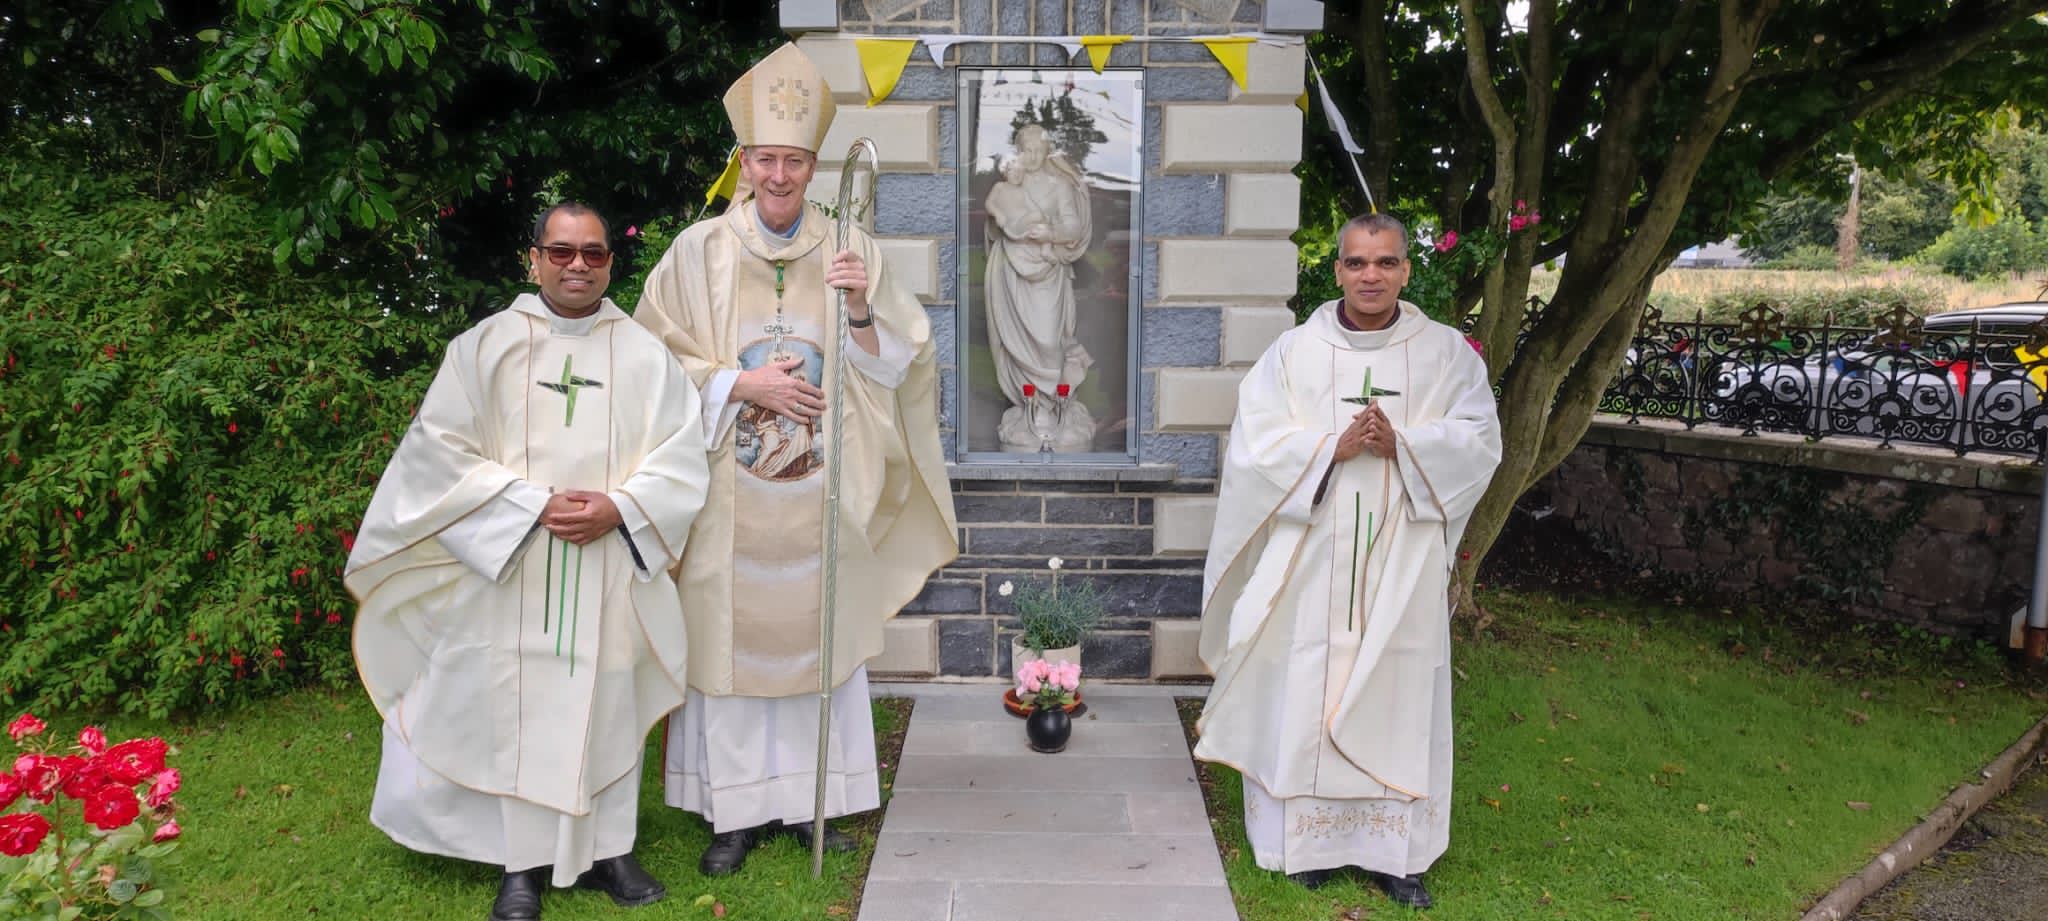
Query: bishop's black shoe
(727, 852)
(519, 895)
(622, 878)
(1313, 879)
(1404, 890)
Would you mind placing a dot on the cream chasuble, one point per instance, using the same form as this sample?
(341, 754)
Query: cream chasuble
(744, 751)
(518, 673)
(750, 579)
(1327, 622)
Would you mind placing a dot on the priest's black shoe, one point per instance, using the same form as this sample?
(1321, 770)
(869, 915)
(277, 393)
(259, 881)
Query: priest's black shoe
(519, 895)
(624, 880)
(727, 851)
(1313, 879)
(836, 841)
(1404, 890)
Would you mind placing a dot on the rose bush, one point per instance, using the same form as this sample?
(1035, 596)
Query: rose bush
(98, 859)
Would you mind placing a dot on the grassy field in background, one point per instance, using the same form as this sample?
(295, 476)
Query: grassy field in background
(1688, 289)
(1623, 761)
(276, 808)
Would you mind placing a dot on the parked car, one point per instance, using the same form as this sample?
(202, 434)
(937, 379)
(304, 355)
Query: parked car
(1970, 369)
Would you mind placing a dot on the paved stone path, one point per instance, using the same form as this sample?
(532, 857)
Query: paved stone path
(982, 828)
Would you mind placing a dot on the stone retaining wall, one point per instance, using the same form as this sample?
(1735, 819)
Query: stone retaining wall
(1906, 535)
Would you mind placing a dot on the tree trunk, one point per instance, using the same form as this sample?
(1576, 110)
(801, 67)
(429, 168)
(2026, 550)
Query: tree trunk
(1850, 227)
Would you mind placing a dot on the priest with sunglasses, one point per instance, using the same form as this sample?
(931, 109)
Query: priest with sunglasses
(747, 300)
(519, 629)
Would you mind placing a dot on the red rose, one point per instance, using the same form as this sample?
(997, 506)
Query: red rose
(44, 776)
(166, 832)
(81, 777)
(21, 833)
(1064, 390)
(1030, 390)
(25, 726)
(135, 760)
(160, 789)
(11, 789)
(111, 807)
(92, 740)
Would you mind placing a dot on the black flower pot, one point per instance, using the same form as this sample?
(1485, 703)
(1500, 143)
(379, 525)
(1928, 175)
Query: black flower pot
(1048, 728)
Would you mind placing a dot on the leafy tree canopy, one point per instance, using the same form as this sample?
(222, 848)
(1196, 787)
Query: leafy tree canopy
(1635, 130)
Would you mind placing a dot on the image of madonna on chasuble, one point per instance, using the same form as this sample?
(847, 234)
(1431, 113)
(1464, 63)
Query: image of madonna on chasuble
(517, 673)
(1326, 619)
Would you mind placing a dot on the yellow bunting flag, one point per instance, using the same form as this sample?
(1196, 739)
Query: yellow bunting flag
(728, 182)
(1301, 102)
(1230, 52)
(1099, 47)
(883, 59)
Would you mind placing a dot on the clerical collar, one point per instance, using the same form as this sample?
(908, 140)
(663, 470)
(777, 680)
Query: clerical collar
(768, 231)
(564, 325)
(1344, 319)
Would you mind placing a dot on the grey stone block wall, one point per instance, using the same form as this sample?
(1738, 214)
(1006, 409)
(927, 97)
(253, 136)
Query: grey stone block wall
(1104, 529)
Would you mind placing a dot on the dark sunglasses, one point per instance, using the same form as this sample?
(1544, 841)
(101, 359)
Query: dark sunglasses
(596, 257)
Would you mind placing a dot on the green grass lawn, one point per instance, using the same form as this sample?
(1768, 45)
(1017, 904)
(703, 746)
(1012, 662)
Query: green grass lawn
(1620, 761)
(276, 809)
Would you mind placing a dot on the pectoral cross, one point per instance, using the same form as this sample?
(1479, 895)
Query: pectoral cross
(568, 386)
(778, 329)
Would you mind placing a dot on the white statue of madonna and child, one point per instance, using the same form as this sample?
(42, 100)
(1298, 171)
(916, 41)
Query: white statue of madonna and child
(1038, 225)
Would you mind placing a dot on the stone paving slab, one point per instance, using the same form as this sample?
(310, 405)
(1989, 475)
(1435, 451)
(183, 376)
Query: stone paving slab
(1167, 814)
(988, 810)
(902, 900)
(1041, 857)
(1011, 901)
(1153, 740)
(1031, 771)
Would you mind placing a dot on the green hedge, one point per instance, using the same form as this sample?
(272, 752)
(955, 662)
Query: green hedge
(188, 438)
(1810, 306)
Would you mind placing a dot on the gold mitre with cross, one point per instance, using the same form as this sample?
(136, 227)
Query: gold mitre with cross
(782, 102)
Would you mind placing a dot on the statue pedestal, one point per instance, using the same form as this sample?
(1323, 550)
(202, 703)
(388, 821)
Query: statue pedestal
(1072, 431)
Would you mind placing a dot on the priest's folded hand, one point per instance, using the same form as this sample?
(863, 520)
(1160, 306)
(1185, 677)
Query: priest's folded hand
(580, 516)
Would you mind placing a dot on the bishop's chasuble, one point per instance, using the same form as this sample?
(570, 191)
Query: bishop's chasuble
(1326, 616)
(517, 673)
(731, 295)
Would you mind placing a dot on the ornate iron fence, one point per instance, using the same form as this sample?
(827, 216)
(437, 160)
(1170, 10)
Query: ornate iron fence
(1966, 388)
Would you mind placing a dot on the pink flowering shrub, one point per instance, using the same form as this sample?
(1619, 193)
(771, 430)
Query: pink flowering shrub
(96, 860)
(1048, 684)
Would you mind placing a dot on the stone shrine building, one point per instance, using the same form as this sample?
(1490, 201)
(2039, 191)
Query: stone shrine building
(1103, 252)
